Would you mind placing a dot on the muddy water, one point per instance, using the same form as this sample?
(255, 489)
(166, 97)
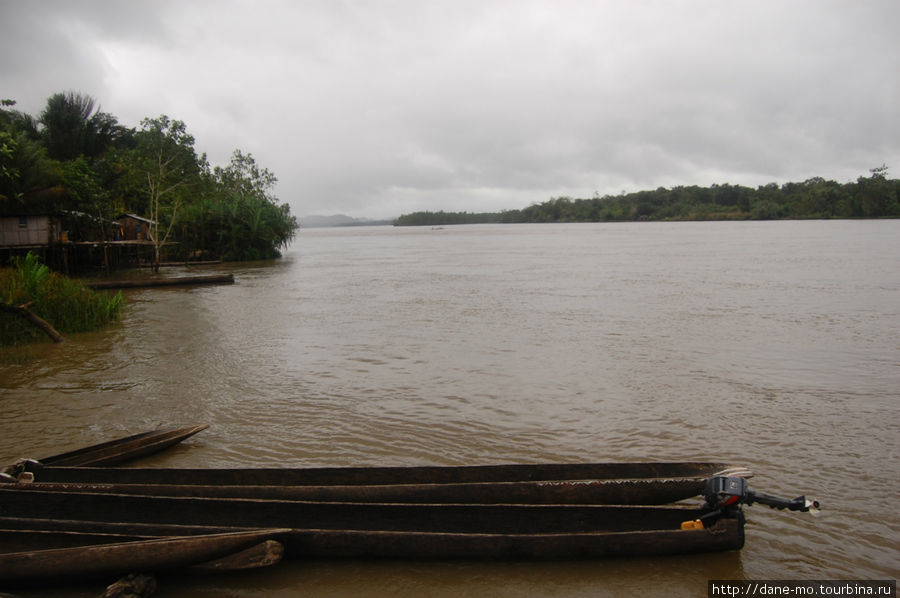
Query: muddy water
(771, 345)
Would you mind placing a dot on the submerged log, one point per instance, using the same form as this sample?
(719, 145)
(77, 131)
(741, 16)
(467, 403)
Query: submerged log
(162, 282)
(29, 315)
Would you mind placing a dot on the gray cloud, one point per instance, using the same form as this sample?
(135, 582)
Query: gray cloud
(378, 108)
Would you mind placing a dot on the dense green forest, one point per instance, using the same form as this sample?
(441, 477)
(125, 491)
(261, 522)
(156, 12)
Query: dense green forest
(81, 164)
(873, 196)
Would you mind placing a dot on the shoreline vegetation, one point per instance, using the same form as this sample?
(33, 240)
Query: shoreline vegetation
(874, 196)
(81, 166)
(36, 302)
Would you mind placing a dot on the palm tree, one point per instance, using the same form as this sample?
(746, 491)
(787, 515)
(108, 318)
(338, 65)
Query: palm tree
(71, 127)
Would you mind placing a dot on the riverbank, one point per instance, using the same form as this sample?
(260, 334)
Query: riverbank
(39, 303)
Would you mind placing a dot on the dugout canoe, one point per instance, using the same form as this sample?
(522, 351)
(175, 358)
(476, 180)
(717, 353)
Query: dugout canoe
(597, 483)
(123, 450)
(161, 282)
(53, 556)
(405, 531)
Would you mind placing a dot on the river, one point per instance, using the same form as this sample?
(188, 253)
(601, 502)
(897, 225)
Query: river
(774, 345)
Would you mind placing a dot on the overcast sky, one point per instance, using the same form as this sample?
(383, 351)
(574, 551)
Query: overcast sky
(381, 107)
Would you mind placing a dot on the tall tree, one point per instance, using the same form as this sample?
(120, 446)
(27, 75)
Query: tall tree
(26, 174)
(165, 155)
(876, 195)
(244, 177)
(257, 227)
(70, 127)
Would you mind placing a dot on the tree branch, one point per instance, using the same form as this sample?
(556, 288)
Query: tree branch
(26, 313)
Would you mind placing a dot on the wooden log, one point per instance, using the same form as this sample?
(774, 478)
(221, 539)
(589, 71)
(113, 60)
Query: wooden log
(133, 585)
(265, 554)
(29, 315)
(162, 282)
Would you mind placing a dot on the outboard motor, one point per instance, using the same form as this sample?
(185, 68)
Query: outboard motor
(725, 494)
(724, 491)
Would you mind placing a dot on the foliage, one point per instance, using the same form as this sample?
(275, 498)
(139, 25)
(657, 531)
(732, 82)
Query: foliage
(165, 154)
(8, 147)
(26, 173)
(875, 196)
(239, 217)
(80, 164)
(66, 304)
(71, 128)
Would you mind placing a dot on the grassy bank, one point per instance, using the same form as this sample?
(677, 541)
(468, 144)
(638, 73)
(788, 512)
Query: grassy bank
(62, 302)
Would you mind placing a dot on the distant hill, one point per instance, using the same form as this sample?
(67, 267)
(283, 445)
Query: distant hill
(338, 220)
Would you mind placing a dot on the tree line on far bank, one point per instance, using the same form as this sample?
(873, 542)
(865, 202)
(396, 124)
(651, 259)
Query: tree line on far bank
(874, 196)
(80, 164)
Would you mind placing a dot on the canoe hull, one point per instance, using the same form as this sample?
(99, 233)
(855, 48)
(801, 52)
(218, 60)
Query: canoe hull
(419, 545)
(408, 545)
(585, 492)
(123, 450)
(413, 531)
(120, 558)
(601, 483)
(370, 476)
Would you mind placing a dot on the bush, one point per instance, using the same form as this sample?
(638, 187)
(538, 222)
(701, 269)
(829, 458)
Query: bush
(65, 304)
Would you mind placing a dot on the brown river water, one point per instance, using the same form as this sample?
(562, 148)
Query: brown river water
(774, 345)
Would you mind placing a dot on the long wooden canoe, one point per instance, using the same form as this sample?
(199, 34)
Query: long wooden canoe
(598, 483)
(122, 450)
(409, 531)
(162, 282)
(31, 535)
(93, 555)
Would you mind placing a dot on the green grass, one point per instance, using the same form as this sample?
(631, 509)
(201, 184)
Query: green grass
(65, 304)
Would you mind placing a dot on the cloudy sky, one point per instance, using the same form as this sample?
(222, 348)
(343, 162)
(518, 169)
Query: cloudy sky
(374, 108)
